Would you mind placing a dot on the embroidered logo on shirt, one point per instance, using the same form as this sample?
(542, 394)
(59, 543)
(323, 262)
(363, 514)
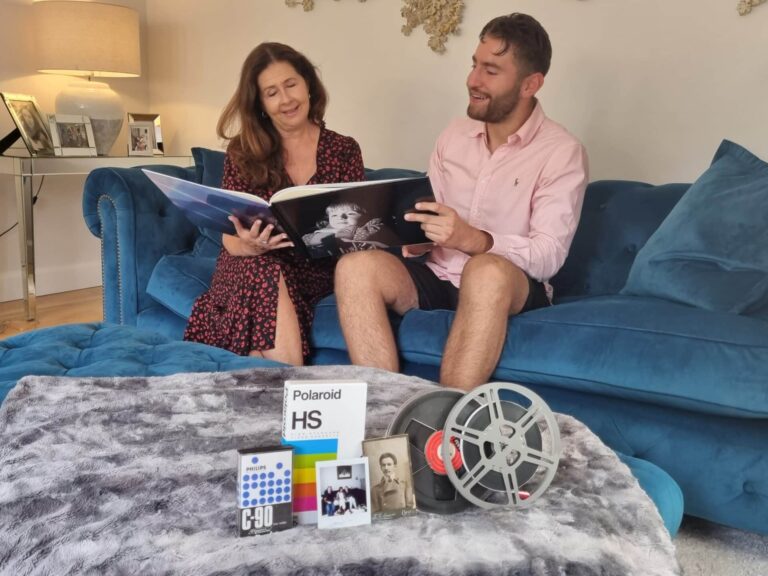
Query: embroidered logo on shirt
(517, 180)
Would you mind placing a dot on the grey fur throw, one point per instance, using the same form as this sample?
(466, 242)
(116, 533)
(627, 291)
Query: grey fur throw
(137, 476)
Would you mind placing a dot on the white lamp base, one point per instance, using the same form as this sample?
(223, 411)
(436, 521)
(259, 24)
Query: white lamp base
(101, 104)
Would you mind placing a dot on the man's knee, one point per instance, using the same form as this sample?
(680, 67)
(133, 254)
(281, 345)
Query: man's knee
(355, 266)
(492, 277)
(491, 271)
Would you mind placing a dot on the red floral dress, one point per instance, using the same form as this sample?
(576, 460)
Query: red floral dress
(239, 310)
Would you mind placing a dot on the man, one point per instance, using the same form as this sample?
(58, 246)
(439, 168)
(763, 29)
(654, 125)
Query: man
(509, 185)
(390, 493)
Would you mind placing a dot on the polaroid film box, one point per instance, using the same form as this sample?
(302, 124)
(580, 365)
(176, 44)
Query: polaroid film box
(264, 490)
(322, 420)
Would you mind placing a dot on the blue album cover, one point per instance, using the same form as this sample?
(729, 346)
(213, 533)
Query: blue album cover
(210, 207)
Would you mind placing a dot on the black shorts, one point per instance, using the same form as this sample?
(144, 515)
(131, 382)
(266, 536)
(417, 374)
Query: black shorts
(436, 294)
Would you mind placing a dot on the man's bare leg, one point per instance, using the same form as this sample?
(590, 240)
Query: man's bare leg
(366, 284)
(288, 347)
(492, 288)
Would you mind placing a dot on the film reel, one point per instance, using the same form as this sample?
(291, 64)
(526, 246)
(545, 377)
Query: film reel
(509, 443)
(422, 418)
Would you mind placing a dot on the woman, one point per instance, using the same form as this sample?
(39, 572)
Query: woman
(263, 293)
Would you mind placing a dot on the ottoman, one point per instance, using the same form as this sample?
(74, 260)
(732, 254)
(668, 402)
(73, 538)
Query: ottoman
(139, 475)
(103, 349)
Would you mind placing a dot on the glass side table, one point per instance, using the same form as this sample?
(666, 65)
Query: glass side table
(24, 169)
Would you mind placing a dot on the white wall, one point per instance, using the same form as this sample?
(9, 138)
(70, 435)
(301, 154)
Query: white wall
(650, 86)
(67, 255)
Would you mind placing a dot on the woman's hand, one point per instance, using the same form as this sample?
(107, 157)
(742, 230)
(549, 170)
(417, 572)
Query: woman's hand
(254, 241)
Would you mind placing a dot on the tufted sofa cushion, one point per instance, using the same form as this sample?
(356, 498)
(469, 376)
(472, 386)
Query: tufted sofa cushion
(108, 350)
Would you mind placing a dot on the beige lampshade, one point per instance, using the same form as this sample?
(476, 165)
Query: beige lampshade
(86, 39)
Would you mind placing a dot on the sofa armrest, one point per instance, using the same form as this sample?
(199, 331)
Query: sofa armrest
(137, 225)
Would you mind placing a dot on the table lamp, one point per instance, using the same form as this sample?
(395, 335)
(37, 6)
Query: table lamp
(89, 39)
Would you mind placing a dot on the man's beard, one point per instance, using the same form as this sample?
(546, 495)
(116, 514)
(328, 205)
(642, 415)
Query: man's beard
(498, 108)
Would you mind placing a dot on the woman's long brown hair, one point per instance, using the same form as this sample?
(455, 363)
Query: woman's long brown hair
(255, 145)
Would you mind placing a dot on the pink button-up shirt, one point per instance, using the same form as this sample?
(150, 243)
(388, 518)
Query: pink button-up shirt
(527, 195)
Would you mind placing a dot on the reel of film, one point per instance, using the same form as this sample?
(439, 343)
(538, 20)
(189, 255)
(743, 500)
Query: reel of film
(509, 443)
(498, 445)
(422, 418)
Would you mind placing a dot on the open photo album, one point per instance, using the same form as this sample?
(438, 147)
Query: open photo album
(321, 219)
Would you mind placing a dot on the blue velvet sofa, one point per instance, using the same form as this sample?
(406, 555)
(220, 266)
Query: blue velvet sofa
(683, 386)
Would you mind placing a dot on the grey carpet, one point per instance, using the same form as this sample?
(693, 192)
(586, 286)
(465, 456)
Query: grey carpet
(137, 475)
(707, 549)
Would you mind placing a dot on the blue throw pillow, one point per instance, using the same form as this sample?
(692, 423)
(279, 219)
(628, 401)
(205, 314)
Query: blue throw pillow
(712, 250)
(209, 166)
(209, 170)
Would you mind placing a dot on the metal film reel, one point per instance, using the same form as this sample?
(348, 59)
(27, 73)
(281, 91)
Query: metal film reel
(422, 418)
(509, 443)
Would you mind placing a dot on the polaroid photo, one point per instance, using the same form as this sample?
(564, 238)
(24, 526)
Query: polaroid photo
(392, 494)
(343, 493)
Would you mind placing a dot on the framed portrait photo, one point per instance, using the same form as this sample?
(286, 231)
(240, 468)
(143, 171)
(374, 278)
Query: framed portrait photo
(141, 138)
(72, 135)
(392, 494)
(30, 122)
(134, 117)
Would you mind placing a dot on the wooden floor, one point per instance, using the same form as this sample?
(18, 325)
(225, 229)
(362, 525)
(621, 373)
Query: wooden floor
(52, 310)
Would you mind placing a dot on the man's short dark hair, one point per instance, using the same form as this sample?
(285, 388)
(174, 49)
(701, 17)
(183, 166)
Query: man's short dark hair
(527, 38)
(387, 455)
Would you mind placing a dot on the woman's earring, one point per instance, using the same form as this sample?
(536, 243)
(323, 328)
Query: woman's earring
(263, 114)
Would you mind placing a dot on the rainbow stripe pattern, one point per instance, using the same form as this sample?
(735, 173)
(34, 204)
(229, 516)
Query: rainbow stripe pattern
(305, 454)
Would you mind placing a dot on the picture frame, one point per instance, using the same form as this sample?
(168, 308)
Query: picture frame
(72, 135)
(141, 138)
(30, 122)
(343, 492)
(133, 117)
(392, 489)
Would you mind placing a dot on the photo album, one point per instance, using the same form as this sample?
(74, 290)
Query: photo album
(321, 219)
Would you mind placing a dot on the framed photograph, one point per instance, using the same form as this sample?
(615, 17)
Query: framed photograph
(141, 138)
(392, 493)
(72, 135)
(343, 493)
(134, 117)
(31, 123)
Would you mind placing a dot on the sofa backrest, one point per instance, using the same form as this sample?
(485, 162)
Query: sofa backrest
(617, 219)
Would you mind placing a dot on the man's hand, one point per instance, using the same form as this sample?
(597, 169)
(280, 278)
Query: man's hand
(415, 250)
(445, 228)
(254, 241)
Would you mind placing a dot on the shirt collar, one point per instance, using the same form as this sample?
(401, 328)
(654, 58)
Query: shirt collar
(525, 133)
